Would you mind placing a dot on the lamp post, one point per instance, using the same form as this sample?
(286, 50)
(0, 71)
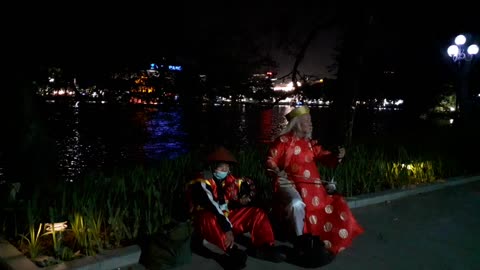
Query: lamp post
(462, 54)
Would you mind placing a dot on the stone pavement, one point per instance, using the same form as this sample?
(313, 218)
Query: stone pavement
(435, 230)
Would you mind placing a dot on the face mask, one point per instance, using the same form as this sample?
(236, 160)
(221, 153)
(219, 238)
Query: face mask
(220, 175)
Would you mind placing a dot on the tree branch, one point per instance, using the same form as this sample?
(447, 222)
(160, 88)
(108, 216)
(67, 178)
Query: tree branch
(301, 54)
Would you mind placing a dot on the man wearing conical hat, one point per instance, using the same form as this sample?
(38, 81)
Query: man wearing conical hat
(221, 209)
(299, 194)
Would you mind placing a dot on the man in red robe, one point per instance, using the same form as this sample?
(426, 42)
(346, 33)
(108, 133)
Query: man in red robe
(219, 203)
(298, 188)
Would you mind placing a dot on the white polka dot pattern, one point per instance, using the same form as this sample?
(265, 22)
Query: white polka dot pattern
(315, 201)
(327, 243)
(327, 227)
(343, 233)
(304, 192)
(313, 219)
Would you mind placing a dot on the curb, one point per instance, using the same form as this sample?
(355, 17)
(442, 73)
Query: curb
(11, 258)
(381, 197)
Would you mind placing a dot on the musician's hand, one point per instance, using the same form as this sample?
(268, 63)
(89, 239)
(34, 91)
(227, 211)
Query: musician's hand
(281, 174)
(229, 239)
(341, 152)
(245, 199)
(331, 188)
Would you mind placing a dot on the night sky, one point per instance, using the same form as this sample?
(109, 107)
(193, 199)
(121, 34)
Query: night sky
(82, 36)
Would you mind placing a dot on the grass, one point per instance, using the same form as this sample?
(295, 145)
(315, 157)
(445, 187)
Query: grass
(130, 204)
(372, 170)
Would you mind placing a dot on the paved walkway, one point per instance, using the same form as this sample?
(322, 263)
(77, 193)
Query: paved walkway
(436, 230)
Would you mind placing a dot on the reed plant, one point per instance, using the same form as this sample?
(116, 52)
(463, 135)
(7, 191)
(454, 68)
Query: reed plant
(79, 228)
(32, 239)
(118, 230)
(251, 164)
(33, 236)
(56, 236)
(365, 170)
(94, 220)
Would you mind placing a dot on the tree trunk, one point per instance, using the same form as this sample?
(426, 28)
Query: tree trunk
(351, 62)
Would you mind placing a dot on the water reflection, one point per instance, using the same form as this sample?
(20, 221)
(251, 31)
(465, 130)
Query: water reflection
(279, 119)
(228, 125)
(101, 136)
(166, 136)
(265, 131)
(272, 122)
(104, 137)
(70, 155)
(243, 126)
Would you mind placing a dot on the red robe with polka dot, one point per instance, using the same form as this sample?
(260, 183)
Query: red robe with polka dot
(327, 216)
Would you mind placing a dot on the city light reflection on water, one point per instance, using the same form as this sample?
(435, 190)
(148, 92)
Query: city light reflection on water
(166, 135)
(71, 161)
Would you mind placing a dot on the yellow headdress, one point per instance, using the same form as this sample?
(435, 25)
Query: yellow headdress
(297, 112)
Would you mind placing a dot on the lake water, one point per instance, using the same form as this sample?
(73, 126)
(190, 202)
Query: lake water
(102, 135)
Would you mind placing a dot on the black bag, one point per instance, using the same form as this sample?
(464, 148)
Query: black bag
(312, 253)
(169, 248)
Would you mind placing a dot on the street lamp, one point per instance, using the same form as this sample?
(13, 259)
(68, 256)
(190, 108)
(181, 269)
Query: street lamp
(461, 54)
(457, 51)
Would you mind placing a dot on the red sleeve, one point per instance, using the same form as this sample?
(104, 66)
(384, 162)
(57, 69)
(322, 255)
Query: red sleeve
(327, 158)
(236, 188)
(276, 159)
(230, 188)
(275, 155)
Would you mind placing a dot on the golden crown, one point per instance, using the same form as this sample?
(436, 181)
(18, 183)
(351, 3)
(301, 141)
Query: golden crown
(297, 112)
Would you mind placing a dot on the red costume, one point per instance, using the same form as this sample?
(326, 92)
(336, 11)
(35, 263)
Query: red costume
(326, 216)
(216, 210)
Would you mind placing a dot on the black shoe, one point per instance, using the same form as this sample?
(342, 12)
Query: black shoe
(302, 242)
(198, 248)
(226, 263)
(233, 259)
(269, 253)
(310, 252)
